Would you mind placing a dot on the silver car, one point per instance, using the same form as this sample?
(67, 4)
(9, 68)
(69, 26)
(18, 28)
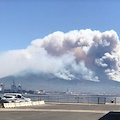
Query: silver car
(14, 97)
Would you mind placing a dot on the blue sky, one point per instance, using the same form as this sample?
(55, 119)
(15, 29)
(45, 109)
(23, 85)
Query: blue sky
(22, 21)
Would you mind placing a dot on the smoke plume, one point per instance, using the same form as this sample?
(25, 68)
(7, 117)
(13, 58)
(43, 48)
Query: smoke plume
(83, 54)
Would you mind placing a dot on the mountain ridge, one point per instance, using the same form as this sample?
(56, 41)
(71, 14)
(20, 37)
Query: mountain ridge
(52, 83)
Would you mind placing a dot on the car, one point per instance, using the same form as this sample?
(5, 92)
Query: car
(14, 97)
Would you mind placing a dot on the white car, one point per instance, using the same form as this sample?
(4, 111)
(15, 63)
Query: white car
(14, 97)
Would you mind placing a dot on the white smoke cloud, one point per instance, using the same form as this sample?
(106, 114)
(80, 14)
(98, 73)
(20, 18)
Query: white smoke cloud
(73, 55)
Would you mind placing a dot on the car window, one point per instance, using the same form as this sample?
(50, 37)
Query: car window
(8, 96)
(18, 96)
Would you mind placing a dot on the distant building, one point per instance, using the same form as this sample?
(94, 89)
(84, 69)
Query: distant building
(2, 88)
(13, 87)
(19, 88)
(68, 91)
(39, 92)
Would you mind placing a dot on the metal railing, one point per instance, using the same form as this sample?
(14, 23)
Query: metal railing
(76, 99)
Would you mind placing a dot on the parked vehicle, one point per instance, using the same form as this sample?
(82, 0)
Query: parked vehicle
(14, 97)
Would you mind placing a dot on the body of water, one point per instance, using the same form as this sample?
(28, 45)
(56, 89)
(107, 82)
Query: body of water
(77, 98)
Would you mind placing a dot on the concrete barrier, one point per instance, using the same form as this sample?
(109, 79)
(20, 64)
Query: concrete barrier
(41, 102)
(22, 104)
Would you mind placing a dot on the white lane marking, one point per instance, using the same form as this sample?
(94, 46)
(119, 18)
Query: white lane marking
(58, 110)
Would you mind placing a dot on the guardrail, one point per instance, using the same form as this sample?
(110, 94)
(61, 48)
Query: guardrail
(22, 104)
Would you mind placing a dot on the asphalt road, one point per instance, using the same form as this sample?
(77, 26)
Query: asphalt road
(58, 111)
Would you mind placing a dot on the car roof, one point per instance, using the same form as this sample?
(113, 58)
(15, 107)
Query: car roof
(11, 94)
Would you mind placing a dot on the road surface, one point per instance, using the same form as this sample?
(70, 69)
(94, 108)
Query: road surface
(58, 111)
